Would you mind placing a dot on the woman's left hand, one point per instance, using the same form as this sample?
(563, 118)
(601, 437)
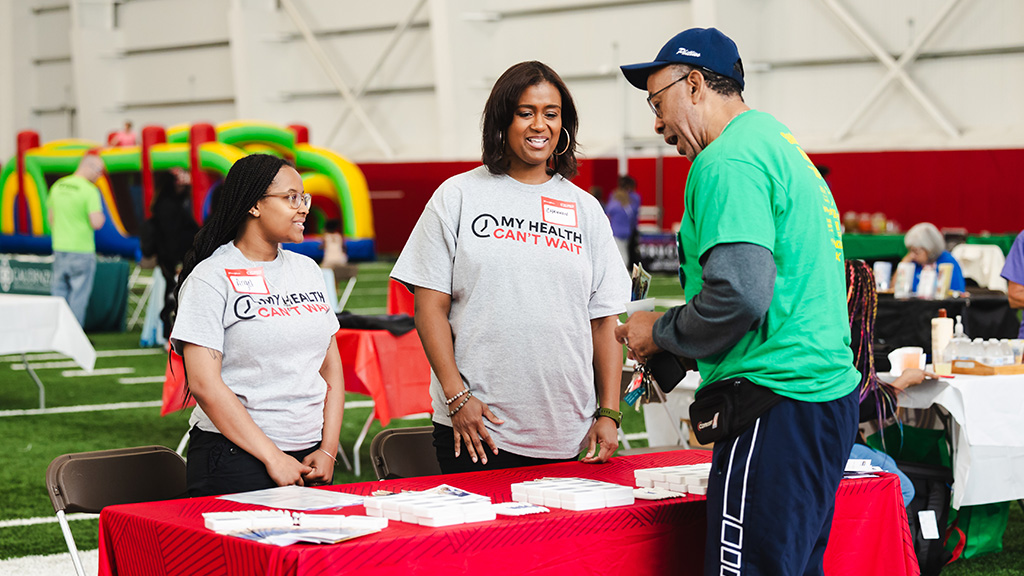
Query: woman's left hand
(323, 468)
(602, 433)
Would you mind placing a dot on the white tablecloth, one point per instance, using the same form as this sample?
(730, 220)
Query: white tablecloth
(42, 324)
(988, 435)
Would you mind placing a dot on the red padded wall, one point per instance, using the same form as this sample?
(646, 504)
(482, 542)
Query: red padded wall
(980, 190)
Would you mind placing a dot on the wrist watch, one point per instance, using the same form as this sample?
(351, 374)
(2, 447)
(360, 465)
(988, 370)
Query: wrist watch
(609, 413)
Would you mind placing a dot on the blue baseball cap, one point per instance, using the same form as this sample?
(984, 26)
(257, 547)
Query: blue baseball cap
(702, 47)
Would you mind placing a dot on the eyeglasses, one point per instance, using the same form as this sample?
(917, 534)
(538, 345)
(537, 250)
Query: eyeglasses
(295, 199)
(656, 107)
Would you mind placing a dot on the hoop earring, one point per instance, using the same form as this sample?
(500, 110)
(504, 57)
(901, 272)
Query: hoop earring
(568, 141)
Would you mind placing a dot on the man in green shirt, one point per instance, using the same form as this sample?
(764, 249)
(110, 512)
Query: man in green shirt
(75, 213)
(761, 262)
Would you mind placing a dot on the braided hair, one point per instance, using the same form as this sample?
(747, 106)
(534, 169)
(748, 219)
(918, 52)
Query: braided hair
(246, 183)
(862, 304)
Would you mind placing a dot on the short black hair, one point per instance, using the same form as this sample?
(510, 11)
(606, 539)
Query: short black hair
(502, 104)
(722, 85)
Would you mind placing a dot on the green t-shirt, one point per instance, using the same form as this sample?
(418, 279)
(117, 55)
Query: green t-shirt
(755, 184)
(71, 200)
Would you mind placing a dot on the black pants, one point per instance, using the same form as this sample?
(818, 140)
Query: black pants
(217, 466)
(444, 443)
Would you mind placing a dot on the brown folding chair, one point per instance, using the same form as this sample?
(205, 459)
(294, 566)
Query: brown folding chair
(404, 453)
(88, 481)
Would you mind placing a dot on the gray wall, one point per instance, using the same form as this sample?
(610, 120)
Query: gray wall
(78, 68)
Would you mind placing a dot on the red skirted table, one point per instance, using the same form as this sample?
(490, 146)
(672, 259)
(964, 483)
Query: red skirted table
(870, 534)
(393, 370)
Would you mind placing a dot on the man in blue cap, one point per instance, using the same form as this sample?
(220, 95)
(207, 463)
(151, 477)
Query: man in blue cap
(761, 263)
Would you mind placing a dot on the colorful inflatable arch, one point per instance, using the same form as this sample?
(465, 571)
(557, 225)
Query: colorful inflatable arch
(337, 186)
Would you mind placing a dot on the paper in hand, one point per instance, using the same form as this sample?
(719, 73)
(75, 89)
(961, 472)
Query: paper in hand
(641, 282)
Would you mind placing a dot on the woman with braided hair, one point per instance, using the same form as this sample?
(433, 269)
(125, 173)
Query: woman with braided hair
(877, 398)
(257, 335)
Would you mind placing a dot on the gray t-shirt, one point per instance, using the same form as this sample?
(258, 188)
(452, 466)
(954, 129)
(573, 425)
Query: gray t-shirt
(273, 323)
(527, 267)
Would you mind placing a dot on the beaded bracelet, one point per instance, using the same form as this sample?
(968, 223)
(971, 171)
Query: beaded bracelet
(449, 401)
(459, 407)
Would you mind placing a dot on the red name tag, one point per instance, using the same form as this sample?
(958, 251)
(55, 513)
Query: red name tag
(248, 281)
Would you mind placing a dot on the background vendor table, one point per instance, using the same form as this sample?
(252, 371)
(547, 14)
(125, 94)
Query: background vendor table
(42, 324)
(393, 370)
(870, 534)
(108, 302)
(891, 246)
(988, 439)
(907, 322)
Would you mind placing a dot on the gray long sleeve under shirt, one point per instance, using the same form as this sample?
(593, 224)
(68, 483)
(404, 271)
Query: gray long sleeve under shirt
(739, 280)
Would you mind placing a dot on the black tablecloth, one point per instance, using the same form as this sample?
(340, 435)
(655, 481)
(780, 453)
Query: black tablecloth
(908, 322)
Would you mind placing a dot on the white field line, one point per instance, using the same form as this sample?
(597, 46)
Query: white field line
(82, 408)
(46, 365)
(45, 520)
(141, 380)
(359, 404)
(99, 354)
(373, 291)
(99, 372)
(367, 311)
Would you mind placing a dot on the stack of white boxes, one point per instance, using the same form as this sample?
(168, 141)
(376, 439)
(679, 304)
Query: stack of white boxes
(431, 509)
(685, 479)
(572, 493)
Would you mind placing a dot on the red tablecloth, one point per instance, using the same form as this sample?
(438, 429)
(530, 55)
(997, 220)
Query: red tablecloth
(393, 370)
(870, 534)
(400, 300)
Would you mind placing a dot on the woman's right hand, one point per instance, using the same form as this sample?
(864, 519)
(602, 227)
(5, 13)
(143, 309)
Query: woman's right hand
(285, 470)
(468, 424)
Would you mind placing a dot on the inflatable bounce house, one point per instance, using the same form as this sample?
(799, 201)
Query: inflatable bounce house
(337, 186)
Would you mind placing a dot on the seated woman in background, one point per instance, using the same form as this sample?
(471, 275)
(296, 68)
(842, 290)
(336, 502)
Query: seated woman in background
(877, 398)
(257, 334)
(926, 246)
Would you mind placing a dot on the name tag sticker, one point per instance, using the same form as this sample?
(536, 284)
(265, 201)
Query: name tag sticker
(558, 212)
(248, 281)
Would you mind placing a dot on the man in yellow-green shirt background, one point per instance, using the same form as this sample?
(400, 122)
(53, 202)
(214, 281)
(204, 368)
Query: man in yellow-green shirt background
(75, 214)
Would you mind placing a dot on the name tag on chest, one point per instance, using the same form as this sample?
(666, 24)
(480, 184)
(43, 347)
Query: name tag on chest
(558, 212)
(248, 281)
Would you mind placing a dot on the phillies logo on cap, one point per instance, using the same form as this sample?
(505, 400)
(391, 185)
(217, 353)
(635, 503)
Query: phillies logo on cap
(690, 53)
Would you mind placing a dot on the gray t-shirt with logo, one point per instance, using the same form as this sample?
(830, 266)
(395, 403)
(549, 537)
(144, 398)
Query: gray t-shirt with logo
(527, 267)
(273, 323)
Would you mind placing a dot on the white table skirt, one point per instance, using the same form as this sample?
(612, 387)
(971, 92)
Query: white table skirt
(42, 324)
(988, 434)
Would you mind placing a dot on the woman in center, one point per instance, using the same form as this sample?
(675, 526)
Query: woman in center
(518, 285)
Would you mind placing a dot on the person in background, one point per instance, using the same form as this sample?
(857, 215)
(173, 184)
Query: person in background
(169, 232)
(925, 247)
(75, 213)
(598, 193)
(518, 287)
(628, 183)
(762, 268)
(622, 217)
(123, 137)
(256, 331)
(335, 258)
(878, 399)
(1013, 272)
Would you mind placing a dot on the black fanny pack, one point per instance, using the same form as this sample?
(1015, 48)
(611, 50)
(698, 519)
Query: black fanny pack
(722, 410)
